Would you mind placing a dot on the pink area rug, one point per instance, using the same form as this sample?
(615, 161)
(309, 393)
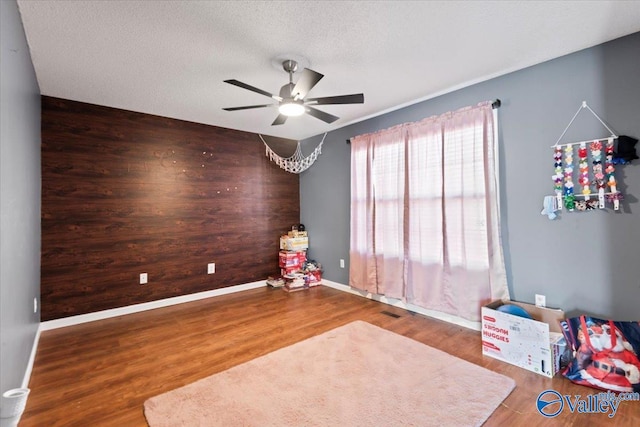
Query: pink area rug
(354, 375)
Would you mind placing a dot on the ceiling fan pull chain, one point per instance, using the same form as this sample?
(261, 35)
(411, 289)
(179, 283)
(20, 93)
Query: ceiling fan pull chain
(296, 163)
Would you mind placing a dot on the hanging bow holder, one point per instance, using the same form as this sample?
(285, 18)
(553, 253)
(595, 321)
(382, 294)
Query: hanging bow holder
(588, 183)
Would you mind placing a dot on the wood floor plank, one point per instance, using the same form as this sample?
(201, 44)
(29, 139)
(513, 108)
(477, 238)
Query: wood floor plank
(100, 373)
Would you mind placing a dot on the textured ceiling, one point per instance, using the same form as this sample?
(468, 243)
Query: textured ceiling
(170, 57)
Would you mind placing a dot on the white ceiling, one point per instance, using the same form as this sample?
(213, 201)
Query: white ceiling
(170, 57)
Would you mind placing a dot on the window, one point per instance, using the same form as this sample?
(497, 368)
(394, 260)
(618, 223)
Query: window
(424, 219)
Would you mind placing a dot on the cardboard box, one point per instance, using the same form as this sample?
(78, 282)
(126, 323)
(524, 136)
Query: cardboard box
(289, 270)
(294, 243)
(522, 342)
(558, 347)
(287, 259)
(275, 282)
(295, 233)
(294, 281)
(313, 278)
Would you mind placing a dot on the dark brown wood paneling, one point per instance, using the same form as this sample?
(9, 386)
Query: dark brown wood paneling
(125, 193)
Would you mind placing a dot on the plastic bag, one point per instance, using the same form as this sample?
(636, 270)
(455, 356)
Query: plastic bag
(603, 353)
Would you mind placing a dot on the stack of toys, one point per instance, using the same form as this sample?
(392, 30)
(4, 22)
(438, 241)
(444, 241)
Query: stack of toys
(296, 272)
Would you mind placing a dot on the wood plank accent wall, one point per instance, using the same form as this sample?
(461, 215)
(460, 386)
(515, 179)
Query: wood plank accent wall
(125, 193)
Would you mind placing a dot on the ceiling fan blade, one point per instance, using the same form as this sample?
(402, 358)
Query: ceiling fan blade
(247, 107)
(252, 89)
(306, 82)
(325, 117)
(279, 120)
(356, 98)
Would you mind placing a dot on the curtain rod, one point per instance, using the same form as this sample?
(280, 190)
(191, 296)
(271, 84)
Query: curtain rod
(495, 105)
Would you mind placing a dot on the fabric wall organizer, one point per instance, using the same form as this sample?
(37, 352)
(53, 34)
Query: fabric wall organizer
(584, 173)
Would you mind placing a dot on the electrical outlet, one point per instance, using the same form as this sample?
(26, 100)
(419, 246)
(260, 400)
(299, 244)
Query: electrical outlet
(541, 300)
(341, 263)
(211, 268)
(144, 278)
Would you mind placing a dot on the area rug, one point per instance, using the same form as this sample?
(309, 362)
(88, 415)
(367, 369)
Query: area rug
(354, 375)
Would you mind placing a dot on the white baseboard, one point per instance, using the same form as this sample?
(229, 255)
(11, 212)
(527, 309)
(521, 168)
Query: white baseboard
(121, 311)
(136, 308)
(400, 304)
(105, 314)
(32, 359)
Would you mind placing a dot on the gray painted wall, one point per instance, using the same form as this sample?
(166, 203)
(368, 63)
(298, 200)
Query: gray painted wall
(19, 199)
(584, 262)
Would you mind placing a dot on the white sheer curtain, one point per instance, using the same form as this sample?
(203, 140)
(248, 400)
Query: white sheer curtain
(424, 213)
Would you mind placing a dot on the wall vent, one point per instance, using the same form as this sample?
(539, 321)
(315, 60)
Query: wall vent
(388, 313)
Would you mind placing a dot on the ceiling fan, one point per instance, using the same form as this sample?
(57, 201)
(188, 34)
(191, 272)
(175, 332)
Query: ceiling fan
(292, 102)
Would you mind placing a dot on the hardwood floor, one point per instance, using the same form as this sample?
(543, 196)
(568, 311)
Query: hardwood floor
(100, 373)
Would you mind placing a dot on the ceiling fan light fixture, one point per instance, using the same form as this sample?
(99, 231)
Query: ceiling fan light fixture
(293, 99)
(291, 109)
